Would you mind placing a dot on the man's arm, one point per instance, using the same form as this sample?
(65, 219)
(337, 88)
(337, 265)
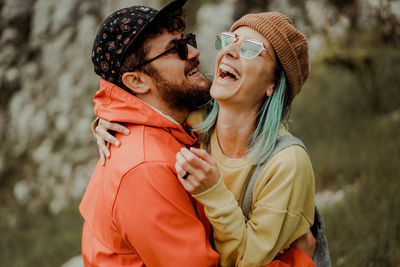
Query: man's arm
(156, 216)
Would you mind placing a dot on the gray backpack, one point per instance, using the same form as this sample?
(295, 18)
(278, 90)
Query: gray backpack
(321, 255)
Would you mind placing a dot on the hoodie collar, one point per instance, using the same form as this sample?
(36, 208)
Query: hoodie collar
(112, 103)
(159, 111)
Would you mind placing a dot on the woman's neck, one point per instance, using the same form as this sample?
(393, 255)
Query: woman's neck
(234, 129)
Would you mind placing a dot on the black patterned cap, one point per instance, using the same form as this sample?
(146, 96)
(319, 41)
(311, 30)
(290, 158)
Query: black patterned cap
(118, 33)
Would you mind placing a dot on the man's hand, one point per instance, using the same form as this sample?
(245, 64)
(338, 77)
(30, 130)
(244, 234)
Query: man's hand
(306, 243)
(103, 137)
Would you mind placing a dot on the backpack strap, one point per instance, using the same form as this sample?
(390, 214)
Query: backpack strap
(281, 143)
(321, 255)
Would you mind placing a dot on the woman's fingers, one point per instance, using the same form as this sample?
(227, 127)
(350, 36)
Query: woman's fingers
(102, 146)
(194, 165)
(102, 158)
(189, 183)
(103, 136)
(203, 154)
(194, 160)
(103, 127)
(184, 166)
(178, 166)
(114, 126)
(202, 175)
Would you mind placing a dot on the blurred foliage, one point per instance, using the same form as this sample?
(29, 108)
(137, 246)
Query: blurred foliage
(352, 85)
(191, 8)
(349, 115)
(249, 6)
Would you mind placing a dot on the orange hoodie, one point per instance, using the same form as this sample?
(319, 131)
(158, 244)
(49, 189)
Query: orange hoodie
(135, 209)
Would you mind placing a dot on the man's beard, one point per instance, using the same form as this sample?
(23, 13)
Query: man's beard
(183, 95)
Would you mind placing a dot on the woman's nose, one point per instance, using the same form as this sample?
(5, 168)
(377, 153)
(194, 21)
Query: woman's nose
(232, 50)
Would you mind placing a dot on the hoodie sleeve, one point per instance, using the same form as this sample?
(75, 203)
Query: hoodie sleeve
(157, 218)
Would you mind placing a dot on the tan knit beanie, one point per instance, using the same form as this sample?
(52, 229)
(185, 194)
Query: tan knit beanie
(289, 44)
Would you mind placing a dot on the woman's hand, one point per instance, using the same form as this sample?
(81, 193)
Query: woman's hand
(103, 137)
(202, 169)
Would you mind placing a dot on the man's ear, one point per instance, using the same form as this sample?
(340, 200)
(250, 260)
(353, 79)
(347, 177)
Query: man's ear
(138, 82)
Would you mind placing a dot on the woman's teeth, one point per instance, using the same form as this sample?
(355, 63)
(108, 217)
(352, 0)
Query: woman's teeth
(227, 71)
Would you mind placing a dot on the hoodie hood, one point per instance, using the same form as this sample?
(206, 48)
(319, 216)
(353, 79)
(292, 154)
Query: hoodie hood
(112, 103)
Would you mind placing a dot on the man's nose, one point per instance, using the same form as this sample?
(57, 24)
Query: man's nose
(192, 52)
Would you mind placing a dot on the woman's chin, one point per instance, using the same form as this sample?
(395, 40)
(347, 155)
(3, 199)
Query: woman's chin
(223, 91)
(220, 96)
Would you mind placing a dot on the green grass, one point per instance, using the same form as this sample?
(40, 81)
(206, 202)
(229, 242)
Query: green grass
(39, 238)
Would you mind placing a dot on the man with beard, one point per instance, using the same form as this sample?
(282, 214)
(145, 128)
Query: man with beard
(136, 211)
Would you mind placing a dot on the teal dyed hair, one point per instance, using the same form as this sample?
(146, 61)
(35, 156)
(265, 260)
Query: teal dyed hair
(208, 125)
(263, 139)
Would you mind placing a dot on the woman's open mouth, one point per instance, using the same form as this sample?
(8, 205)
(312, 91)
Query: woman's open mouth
(227, 73)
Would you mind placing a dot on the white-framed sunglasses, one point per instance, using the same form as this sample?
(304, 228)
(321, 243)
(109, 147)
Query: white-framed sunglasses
(248, 49)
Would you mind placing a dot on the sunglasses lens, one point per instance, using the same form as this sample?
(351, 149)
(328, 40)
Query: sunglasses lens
(181, 49)
(223, 40)
(191, 40)
(218, 44)
(250, 49)
(181, 45)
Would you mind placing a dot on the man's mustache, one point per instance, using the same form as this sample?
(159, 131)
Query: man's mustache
(193, 63)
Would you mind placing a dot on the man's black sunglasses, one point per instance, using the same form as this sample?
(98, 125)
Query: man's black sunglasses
(180, 46)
